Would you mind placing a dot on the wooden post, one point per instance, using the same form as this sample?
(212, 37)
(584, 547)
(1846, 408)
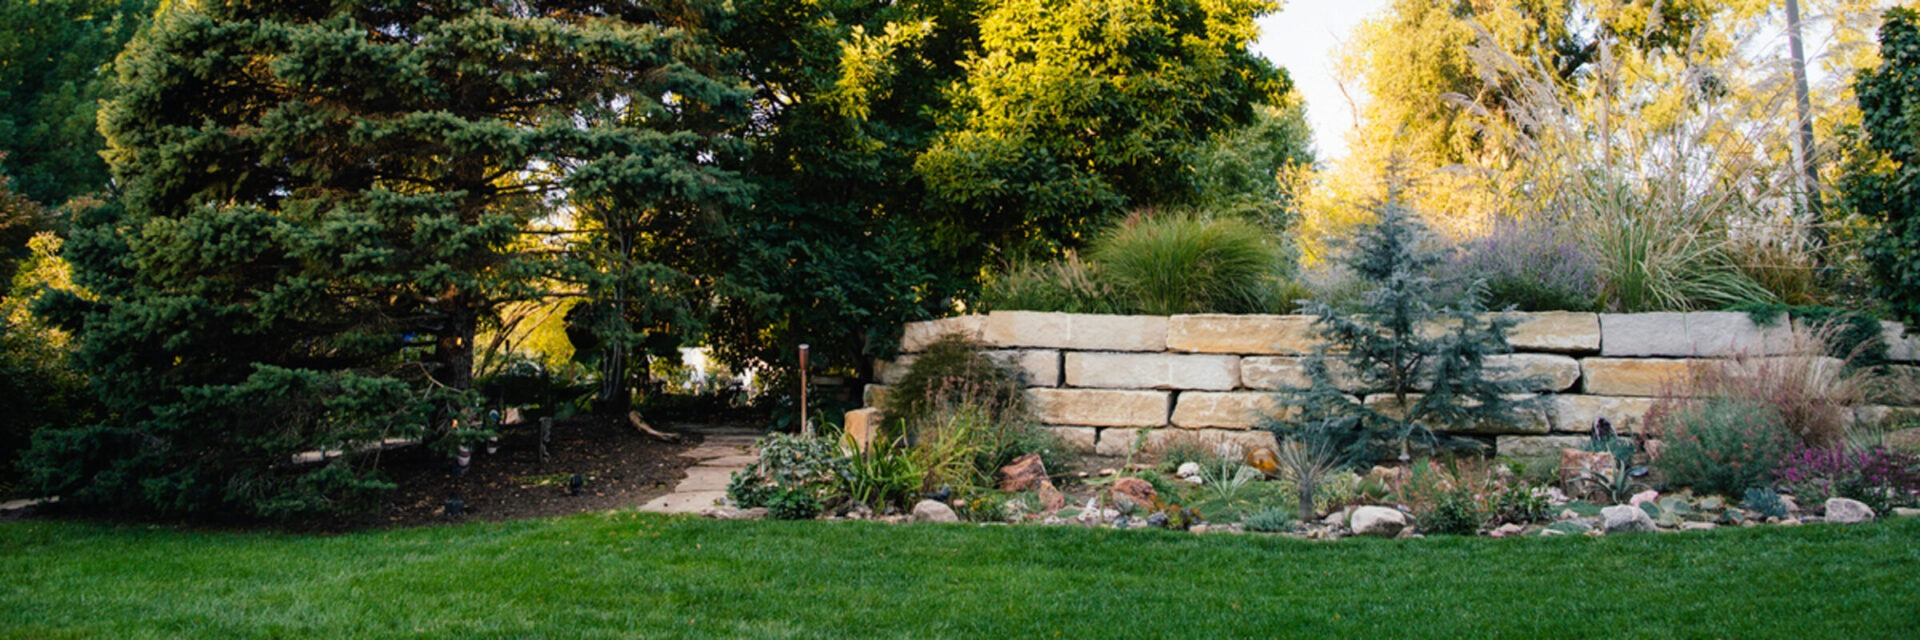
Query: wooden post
(806, 428)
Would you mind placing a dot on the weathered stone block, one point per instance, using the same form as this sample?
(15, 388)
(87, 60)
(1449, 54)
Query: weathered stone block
(1901, 347)
(1229, 410)
(1245, 440)
(874, 395)
(1575, 414)
(1276, 373)
(1882, 415)
(1242, 334)
(1536, 446)
(891, 371)
(915, 336)
(1531, 418)
(1557, 332)
(1118, 442)
(1700, 333)
(1553, 372)
(1076, 439)
(1075, 331)
(1637, 376)
(1099, 407)
(1039, 368)
(1644, 334)
(1152, 371)
(1730, 333)
(862, 426)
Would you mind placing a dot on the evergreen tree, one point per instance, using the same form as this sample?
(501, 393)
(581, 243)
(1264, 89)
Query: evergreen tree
(323, 202)
(1426, 365)
(1884, 186)
(56, 65)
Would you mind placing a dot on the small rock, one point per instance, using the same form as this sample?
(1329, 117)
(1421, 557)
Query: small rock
(1135, 489)
(1158, 519)
(1188, 470)
(719, 513)
(1789, 522)
(932, 511)
(1109, 514)
(1052, 521)
(1846, 511)
(1550, 531)
(1265, 460)
(1122, 522)
(1793, 506)
(1508, 530)
(1697, 526)
(1643, 497)
(1712, 503)
(1108, 471)
(1050, 498)
(1622, 518)
(1025, 472)
(1378, 521)
(1569, 527)
(1200, 528)
(1905, 512)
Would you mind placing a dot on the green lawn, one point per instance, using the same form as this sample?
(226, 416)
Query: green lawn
(632, 575)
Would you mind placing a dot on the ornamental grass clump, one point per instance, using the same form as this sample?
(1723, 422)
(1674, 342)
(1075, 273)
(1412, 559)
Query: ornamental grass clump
(1187, 263)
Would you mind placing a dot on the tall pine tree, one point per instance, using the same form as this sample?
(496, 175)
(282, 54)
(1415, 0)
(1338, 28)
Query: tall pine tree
(323, 201)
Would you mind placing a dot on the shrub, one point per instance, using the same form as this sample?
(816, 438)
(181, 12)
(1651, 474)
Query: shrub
(1184, 263)
(1880, 478)
(954, 370)
(1765, 502)
(1886, 187)
(1722, 445)
(1269, 521)
(789, 464)
(1530, 266)
(1456, 512)
(1813, 393)
(1518, 504)
(792, 503)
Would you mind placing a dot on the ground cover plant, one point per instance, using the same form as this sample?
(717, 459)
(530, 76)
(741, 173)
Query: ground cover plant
(627, 575)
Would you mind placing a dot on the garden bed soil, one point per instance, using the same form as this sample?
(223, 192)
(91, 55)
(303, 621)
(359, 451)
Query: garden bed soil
(620, 469)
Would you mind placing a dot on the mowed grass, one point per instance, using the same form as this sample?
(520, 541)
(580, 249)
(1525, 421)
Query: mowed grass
(632, 575)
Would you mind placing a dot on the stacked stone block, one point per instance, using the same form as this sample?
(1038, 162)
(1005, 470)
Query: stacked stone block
(1106, 384)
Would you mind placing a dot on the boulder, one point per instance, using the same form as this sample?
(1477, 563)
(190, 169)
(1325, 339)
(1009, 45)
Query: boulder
(934, 511)
(1377, 521)
(1846, 511)
(1133, 489)
(1623, 518)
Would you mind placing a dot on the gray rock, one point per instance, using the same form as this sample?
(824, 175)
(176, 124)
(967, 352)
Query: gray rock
(1569, 527)
(1508, 530)
(1187, 470)
(934, 511)
(1696, 526)
(1158, 519)
(1622, 518)
(1377, 521)
(1906, 512)
(1845, 511)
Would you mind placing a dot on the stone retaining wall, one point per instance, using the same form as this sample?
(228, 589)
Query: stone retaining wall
(1102, 382)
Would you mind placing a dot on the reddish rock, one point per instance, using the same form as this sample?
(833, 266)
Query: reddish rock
(1265, 460)
(1025, 472)
(1134, 489)
(1051, 499)
(1576, 464)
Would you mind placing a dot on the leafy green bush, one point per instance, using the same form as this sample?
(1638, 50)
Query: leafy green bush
(789, 464)
(792, 503)
(1456, 512)
(1518, 504)
(1530, 266)
(1885, 186)
(1722, 445)
(1185, 263)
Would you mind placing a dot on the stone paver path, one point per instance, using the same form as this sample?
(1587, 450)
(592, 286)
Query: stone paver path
(722, 451)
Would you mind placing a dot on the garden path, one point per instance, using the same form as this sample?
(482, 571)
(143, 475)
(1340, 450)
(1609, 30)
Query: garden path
(722, 451)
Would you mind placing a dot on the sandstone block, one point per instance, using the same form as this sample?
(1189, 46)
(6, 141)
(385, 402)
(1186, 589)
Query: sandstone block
(1730, 333)
(1575, 414)
(892, 371)
(1118, 442)
(1229, 410)
(1276, 373)
(1038, 368)
(1556, 332)
(1152, 371)
(1076, 439)
(1536, 446)
(1875, 414)
(1644, 377)
(915, 336)
(1527, 419)
(1099, 407)
(1242, 334)
(1081, 332)
(1901, 347)
(862, 427)
(1553, 372)
(1212, 439)
(1644, 334)
(874, 395)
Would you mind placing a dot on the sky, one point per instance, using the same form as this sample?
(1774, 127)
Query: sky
(1303, 38)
